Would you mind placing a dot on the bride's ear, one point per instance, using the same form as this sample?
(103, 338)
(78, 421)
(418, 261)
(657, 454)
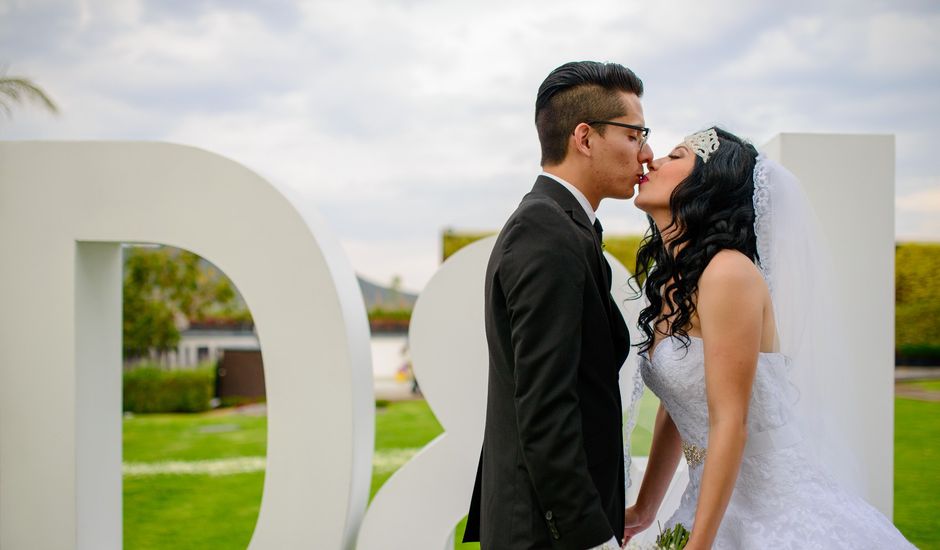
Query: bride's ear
(581, 139)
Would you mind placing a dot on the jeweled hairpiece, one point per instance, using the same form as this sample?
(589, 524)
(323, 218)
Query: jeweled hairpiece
(703, 143)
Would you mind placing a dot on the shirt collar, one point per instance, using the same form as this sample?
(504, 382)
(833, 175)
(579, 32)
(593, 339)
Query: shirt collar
(582, 200)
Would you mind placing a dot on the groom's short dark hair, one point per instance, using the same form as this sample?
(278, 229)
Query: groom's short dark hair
(577, 92)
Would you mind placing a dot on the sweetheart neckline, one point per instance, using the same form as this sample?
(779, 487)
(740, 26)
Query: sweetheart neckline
(651, 354)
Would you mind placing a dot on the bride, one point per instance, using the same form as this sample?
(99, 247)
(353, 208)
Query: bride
(736, 311)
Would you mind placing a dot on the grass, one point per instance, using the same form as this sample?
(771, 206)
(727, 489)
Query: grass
(191, 512)
(159, 437)
(916, 477)
(201, 511)
(929, 385)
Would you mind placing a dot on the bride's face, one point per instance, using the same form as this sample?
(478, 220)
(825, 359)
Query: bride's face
(664, 175)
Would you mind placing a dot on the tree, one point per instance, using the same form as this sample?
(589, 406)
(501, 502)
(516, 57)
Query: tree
(14, 89)
(165, 288)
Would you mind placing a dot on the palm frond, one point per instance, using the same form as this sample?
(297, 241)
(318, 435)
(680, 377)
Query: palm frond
(19, 90)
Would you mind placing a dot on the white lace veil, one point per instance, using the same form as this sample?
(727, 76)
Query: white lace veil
(795, 264)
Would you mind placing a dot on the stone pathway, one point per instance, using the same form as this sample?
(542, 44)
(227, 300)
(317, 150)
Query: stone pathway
(905, 383)
(383, 462)
(913, 391)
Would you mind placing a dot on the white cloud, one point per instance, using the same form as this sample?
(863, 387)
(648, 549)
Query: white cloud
(404, 117)
(926, 201)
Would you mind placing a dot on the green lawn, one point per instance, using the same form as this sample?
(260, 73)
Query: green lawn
(930, 385)
(219, 512)
(916, 475)
(191, 512)
(158, 437)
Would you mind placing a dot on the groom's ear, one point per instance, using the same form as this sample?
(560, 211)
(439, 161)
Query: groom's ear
(580, 140)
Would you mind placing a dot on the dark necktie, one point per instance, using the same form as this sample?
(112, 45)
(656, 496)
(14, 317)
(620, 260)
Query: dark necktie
(599, 229)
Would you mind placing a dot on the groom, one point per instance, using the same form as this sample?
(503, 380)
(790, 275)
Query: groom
(551, 468)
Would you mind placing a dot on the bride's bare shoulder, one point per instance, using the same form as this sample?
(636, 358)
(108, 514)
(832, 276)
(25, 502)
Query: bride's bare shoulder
(732, 270)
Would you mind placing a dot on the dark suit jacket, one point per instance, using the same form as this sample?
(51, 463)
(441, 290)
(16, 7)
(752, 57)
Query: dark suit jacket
(551, 467)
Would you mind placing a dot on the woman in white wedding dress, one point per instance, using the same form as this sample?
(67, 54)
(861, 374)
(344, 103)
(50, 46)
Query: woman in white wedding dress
(735, 310)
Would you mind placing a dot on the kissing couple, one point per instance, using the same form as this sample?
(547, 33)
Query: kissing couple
(734, 305)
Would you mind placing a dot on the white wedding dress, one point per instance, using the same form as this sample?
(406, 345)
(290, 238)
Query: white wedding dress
(781, 500)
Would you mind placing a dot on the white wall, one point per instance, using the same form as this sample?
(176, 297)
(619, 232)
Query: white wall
(849, 179)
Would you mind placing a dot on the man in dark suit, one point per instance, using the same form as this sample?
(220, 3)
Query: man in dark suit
(551, 467)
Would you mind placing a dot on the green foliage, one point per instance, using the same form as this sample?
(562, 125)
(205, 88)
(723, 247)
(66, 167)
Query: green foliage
(239, 400)
(673, 539)
(917, 295)
(163, 285)
(191, 437)
(454, 241)
(192, 512)
(382, 314)
(918, 354)
(382, 319)
(197, 511)
(624, 248)
(916, 477)
(150, 389)
(18, 90)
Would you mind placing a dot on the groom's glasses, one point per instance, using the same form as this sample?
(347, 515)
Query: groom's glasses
(644, 132)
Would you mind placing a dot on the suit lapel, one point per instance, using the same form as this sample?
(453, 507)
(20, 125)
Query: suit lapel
(545, 186)
(555, 191)
(548, 187)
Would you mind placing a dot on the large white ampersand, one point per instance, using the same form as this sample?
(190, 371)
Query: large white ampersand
(419, 506)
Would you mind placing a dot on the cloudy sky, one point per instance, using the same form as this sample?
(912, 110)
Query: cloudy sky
(404, 117)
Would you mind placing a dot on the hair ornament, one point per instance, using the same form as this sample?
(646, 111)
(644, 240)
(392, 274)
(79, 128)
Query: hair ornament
(703, 143)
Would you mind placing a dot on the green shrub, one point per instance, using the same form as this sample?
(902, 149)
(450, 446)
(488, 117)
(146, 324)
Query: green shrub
(917, 295)
(381, 314)
(624, 248)
(917, 354)
(241, 400)
(621, 247)
(452, 241)
(151, 389)
(917, 287)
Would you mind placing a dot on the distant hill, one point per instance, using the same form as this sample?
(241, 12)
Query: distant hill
(377, 296)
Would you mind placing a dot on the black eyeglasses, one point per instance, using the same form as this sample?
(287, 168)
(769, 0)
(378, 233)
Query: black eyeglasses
(644, 132)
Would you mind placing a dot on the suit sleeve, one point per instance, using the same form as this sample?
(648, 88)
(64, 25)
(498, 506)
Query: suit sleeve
(543, 274)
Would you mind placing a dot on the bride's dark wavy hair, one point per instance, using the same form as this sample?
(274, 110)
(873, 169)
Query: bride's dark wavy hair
(712, 210)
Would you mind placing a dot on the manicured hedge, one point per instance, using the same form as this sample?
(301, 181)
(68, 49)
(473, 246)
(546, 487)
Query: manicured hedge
(621, 247)
(917, 290)
(453, 241)
(152, 389)
(917, 299)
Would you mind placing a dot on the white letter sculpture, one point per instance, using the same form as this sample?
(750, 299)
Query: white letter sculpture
(66, 207)
(421, 503)
(64, 210)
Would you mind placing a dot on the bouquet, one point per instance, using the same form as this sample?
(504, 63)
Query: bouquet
(673, 539)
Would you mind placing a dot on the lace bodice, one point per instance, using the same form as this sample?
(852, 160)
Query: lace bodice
(679, 381)
(781, 499)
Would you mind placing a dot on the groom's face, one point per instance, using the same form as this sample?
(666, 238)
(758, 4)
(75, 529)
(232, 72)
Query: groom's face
(619, 159)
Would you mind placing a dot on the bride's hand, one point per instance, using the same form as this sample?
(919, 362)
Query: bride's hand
(635, 521)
